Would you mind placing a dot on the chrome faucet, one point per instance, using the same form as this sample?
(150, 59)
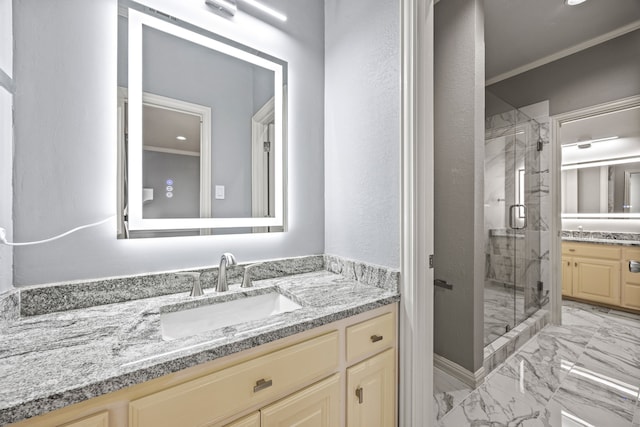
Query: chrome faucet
(226, 260)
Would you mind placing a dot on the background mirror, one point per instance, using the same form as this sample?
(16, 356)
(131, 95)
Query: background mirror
(209, 129)
(600, 164)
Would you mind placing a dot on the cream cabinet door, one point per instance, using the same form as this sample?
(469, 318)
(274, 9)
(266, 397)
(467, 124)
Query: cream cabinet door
(630, 280)
(371, 394)
(597, 280)
(567, 276)
(315, 406)
(252, 420)
(98, 420)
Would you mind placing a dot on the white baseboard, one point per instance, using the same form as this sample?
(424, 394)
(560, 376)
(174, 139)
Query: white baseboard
(472, 379)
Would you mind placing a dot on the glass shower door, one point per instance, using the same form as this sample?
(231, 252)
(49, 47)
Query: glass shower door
(512, 202)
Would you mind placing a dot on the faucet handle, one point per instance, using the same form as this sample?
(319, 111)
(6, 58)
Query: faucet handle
(196, 290)
(247, 280)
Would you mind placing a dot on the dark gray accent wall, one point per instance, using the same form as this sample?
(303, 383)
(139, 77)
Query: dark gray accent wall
(602, 73)
(459, 181)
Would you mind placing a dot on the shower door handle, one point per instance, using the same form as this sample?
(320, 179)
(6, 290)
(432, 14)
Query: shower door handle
(512, 210)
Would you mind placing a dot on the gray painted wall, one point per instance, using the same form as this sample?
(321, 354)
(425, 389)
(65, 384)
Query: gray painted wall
(362, 130)
(65, 158)
(6, 146)
(603, 73)
(459, 181)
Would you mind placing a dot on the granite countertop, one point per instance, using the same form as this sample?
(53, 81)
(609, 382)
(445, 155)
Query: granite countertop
(53, 360)
(601, 241)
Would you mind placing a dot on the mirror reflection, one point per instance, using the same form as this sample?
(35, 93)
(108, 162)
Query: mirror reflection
(206, 145)
(600, 163)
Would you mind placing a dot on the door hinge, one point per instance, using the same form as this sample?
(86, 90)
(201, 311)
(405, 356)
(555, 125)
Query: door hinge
(431, 261)
(540, 144)
(267, 146)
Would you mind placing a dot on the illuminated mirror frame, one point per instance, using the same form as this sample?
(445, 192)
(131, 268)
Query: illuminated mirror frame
(584, 114)
(137, 20)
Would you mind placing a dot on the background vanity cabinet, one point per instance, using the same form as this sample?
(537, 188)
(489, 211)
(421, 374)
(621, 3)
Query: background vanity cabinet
(630, 280)
(567, 276)
(592, 271)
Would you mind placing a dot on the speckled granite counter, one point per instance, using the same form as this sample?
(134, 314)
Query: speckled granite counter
(57, 359)
(602, 241)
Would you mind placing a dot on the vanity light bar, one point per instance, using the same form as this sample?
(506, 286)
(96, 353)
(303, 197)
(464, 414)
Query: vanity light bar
(266, 9)
(590, 141)
(226, 6)
(602, 163)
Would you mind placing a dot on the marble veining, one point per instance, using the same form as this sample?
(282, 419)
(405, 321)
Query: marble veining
(52, 360)
(582, 373)
(75, 295)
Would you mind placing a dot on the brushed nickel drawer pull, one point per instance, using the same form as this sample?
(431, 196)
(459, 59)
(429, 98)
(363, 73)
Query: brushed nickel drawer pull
(634, 266)
(262, 384)
(360, 394)
(376, 338)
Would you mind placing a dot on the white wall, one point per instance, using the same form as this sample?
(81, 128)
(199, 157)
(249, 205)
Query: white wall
(6, 145)
(65, 164)
(362, 130)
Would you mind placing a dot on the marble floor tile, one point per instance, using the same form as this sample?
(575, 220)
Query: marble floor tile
(448, 392)
(616, 358)
(587, 319)
(585, 373)
(636, 416)
(540, 366)
(497, 404)
(593, 399)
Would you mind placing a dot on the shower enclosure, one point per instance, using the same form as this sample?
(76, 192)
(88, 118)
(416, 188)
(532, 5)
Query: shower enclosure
(513, 279)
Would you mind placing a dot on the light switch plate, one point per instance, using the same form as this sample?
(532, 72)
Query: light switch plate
(220, 192)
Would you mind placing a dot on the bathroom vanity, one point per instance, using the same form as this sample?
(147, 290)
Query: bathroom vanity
(332, 362)
(600, 271)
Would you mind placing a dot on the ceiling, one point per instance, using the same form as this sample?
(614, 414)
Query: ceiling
(162, 126)
(520, 32)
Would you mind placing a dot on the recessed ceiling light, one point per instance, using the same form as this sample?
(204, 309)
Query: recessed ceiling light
(574, 2)
(181, 138)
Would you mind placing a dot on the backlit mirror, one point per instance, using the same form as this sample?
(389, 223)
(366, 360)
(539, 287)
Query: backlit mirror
(601, 162)
(201, 131)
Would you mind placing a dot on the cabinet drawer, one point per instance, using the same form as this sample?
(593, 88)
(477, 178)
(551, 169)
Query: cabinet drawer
(592, 251)
(221, 394)
(97, 420)
(370, 336)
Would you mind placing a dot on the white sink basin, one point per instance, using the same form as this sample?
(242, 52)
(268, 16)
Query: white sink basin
(184, 323)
